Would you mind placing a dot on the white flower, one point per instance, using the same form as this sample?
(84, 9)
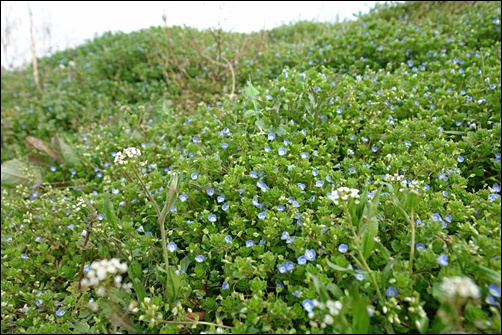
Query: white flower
(463, 287)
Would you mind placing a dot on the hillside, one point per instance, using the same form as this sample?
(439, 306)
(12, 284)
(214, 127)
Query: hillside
(321, 178)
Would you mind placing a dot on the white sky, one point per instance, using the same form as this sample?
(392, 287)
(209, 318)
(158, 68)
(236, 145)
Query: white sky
(73, 22)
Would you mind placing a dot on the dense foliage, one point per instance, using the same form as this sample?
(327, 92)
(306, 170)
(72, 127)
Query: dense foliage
(321, 178)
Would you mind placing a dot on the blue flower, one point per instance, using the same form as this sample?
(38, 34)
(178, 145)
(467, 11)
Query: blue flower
(249, 243)
(290, 266)
(282, 151)
(172, 246)
(460, 159)
(295, 204)
(225, 286)
(24, 256)
(220, 198)
(447, 218)
(211, 217)
(38, 302)
(391, 292)
(286, 142)
(60, 312)
(262, 215)
(296, 293)
(359, 276)
(302, 260)
(308, 305)
(282, 268)
(436, 217)
(262, 185)
(267, 148)
(183, 197)
(310, 254)
(228, 239)
(194, 176)
(443, 260)
(420, 246)
(280, 208)
(374, 148)
(493, 197)
(271, 136)
(315, 172)
(199, 259)
(343, 248)
(225, 206)
(285, 235)
(304, 155)
(494, 290)
(495, 188)
(301, 186)
(319, 183)
(253, 174)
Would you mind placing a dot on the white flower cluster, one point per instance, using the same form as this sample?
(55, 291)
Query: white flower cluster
(462, 287)
(330, 309)
(101, 270)
(344, 193)
(131, 152)
(397, 178)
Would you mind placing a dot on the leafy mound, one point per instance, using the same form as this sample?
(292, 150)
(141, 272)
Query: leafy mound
(312, 178)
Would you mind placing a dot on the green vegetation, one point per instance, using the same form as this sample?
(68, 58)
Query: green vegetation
(322, 178)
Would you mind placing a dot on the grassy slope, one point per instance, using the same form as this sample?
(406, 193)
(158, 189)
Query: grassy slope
(395, 76)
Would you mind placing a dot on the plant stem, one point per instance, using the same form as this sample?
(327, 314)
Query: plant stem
(412, 252)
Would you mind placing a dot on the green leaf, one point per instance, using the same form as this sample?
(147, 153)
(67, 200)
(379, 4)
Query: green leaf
(280, 131)
(139, 288)
(368, 237)
(249, 113)
(491, 275)
(184, 263)
(423, 325)
(110, 214)
(319, 287)
(173, 285)
(135, 270)
(250, 91)
(337, 267)
(260, 124)
(361, 319)
(68, 154)
(15, 172)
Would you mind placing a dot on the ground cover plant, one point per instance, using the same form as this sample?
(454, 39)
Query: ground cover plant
(314, 178)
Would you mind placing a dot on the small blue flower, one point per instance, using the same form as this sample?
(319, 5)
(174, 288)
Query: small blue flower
(296, 293)
(183, 197)
(24, 256)
(301, 186)
(319, 183)
(493, 197)
(285, 235)
(220, 198)
(228, 239)
(60, 312)
(420, 246)
(53, 168)
(262, 185)
(391, 292)
(280, 208)
(225, 286)
(359, 276)
(211, 217)
(495, 188)
(249, 243)
(436, 217)
(267, 148)
(282, 268)
(199, 259)
(286, 142)
(447, 218)
(302, 260)
(38, 302)
(350, 151)
(224, 145)
(210, 191)
(310, 254)
(71, 226)
(262, 215)
(290, 266)
(308, 305)
(295, 204)
(282, 151)
(443, 260)
(194, 176)
(271, 136)
(172, 246)
(253, 174)
(304, 155)
(225, 206)
(315, 172)
(343, 248)
(494, 290)
(460, 159)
